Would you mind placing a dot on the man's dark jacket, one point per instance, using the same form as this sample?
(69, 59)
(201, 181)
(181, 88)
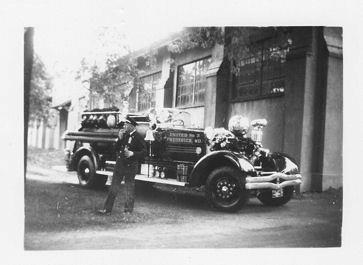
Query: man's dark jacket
(135, 143)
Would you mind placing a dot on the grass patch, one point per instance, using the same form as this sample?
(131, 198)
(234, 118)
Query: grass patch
(45, 157)
(59, 207)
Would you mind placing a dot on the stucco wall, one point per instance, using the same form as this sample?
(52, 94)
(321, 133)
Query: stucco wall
(333, 142)
(332, 163)
(272, 109)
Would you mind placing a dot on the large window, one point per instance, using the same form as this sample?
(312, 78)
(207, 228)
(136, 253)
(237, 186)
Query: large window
(147, 91)
(192, 83)
(261, 73)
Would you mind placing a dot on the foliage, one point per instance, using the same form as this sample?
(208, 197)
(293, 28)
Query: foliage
(203, 37)
(123, 71)
(245, 42)
(112, 82)
(239, 42)
(40, 92)
(109, 70)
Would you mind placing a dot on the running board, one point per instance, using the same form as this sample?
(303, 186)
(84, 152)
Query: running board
(140, 177)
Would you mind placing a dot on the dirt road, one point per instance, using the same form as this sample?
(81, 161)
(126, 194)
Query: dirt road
(61, 215)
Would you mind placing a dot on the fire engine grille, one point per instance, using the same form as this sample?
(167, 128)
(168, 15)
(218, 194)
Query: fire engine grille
(181, 149)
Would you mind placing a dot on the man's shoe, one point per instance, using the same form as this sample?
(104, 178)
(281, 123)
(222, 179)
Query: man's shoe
(103, 212)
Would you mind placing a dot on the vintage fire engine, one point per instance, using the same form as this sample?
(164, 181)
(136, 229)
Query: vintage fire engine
(230, 165)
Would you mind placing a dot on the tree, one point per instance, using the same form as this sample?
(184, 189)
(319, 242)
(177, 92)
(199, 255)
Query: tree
(112, 82)
(40, 91)
(28, 63)
(110, 77)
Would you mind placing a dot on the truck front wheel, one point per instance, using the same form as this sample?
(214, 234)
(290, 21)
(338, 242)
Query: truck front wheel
(86, 173)
(225, 189)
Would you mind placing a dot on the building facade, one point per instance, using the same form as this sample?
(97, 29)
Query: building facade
(300, 95)
(69, 100)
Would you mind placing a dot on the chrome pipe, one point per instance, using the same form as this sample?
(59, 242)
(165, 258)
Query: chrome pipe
(274, 186)
(100, 112)
(90, 139)
(106, 134)
(277, 175)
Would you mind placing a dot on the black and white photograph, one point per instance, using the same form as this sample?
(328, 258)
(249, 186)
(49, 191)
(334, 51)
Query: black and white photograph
(213, 134)
(187, 135)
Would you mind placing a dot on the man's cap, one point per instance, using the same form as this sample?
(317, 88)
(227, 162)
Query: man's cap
(131, 121)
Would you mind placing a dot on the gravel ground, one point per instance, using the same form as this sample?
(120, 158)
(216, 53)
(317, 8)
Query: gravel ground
(59, 214)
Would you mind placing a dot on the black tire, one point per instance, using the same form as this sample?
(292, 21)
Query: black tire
(87, 176)
(266, 197)
(225, 189)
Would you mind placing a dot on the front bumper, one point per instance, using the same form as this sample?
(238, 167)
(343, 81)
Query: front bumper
(281, 180)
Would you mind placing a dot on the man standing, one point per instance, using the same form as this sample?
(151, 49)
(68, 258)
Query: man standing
(130, 150)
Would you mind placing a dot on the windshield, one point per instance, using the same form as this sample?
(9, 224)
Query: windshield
(169, 117)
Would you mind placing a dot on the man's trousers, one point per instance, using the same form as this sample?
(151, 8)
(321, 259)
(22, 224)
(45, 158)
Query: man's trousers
(127, 170)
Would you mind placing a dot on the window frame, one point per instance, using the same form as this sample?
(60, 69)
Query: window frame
(234, 97)
(153, 92)
(193, 105)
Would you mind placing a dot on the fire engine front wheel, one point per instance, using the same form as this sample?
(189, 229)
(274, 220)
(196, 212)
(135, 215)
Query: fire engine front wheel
(267, 199)
(225, 189)
(86, 173)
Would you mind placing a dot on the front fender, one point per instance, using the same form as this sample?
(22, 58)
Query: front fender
(216, 159)
(84, 150)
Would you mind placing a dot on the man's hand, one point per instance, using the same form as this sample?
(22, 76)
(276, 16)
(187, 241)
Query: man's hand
(128, 153)
(121, 134)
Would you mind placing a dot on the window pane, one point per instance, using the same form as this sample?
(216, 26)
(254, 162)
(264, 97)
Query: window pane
(147, 91)
(192, 83)
(261, 73)
(273, 75)
(248, 79)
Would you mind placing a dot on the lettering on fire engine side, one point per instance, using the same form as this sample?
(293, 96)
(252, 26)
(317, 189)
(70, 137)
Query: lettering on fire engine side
(179, 140)
(181, 137)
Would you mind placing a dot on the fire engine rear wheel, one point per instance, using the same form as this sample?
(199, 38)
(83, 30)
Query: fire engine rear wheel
(225, 189)
(86, 173)
(266, 197)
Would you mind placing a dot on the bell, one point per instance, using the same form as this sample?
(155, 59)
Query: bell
(149, 136)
